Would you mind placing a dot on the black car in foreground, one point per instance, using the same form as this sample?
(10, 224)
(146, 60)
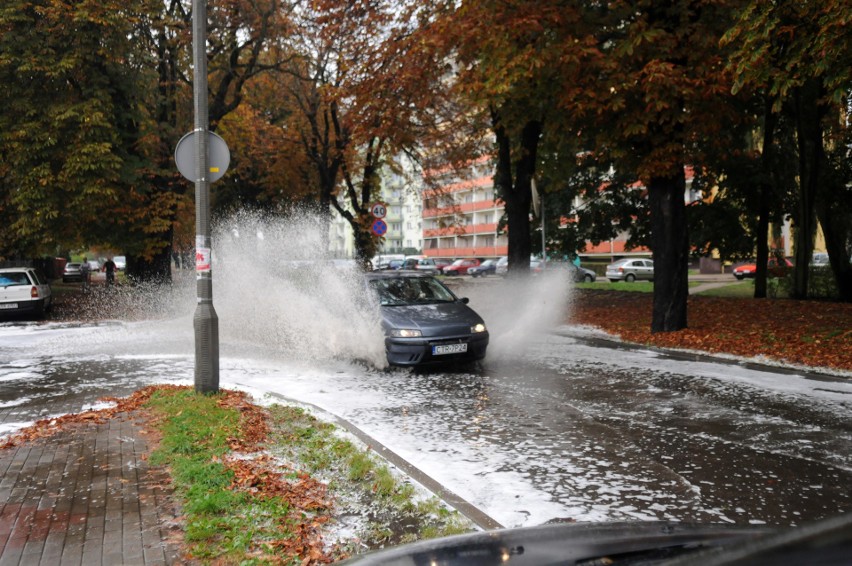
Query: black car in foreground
(424, 321)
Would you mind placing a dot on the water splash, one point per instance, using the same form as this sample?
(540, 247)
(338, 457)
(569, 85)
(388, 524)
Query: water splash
(516, 310)
(275, 289)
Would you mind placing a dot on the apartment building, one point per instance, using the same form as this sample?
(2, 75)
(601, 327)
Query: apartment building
(461, 215)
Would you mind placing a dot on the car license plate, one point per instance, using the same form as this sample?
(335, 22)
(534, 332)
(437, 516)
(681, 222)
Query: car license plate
(449, 349)
(8, 305)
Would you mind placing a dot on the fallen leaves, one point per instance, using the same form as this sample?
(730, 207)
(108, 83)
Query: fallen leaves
(808, 333)
(45, 428)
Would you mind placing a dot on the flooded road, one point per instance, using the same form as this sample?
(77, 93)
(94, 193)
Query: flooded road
(562, 428)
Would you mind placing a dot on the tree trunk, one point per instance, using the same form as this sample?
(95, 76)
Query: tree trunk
(670, 246)
(516, 189)
(835, 220)
(809, 114)
(769, 121)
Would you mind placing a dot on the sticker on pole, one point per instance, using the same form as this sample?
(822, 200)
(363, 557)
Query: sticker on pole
(202, 260)
(379, 227)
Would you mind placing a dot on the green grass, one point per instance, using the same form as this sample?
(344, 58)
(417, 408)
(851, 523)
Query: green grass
(220, 523)
(227, 526)
(605, 284)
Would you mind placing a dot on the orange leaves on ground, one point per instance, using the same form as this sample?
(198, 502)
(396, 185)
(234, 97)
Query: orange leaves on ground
(809, 333)
(253, 427)
(44, 428)
(306, 498)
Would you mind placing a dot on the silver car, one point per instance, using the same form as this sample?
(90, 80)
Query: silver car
(630, 270)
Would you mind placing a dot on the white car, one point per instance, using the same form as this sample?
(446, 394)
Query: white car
(23, 291)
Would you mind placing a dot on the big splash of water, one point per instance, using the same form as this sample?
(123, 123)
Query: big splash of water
(279, 297)
(275, 289)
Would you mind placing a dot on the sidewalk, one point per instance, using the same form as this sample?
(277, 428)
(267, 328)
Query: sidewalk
(86, 496)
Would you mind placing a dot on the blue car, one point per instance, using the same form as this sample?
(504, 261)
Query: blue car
(424, 322)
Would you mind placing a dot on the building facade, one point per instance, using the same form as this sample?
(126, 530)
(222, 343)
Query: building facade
(461, 215)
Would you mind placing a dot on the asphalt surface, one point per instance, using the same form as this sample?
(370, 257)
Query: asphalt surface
(87, 495)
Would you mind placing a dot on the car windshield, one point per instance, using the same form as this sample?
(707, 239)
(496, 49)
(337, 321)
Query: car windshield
(399, 291)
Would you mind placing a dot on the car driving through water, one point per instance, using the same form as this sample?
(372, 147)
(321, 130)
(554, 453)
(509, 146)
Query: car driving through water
(424, 321)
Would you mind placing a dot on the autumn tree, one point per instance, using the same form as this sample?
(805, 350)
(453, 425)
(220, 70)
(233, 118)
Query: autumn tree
(358, 90)
(504, 56)
(70, 121)
(244, 39)
(799, 53)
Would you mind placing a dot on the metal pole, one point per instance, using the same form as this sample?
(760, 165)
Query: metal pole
(205, 321)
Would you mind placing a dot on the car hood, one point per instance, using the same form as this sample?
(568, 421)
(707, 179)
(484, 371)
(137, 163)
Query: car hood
(441, 319)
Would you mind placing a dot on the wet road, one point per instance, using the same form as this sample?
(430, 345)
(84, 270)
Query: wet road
(560, 428)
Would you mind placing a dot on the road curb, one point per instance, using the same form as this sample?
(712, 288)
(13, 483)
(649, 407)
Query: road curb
(476, 515)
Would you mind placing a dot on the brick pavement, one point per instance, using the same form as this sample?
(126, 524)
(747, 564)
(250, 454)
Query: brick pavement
(86, 496)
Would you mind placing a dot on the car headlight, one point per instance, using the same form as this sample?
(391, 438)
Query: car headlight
(405, 333)
(477, 328)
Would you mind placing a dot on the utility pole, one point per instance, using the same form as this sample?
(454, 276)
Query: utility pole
(205, 321)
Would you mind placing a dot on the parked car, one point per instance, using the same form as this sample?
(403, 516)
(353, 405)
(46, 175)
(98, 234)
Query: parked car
(487, 267)
(391, 265)
(459, 267)
(24, 291)
(72, 272)
(424, 322)
(580, 274)
(120, 262)
(94, 266)
(630, 269)
(427, 265)
(502, 265)
(775, 268)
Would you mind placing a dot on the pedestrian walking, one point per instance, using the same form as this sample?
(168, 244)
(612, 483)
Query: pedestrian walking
(85, 275)
(109, 268)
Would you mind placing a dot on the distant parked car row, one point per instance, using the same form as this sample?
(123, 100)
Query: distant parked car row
(476, 268)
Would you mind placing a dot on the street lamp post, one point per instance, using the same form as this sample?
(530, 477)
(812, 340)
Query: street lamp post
(205, 321)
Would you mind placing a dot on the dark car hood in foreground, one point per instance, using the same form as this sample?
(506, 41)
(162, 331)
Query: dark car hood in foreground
(828, 542)
(440, 319)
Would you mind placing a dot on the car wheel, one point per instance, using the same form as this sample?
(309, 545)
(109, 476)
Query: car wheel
(630, 278)
(588, 279)
(739, 276)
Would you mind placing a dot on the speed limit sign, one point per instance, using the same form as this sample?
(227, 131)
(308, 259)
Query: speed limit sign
(378, 209)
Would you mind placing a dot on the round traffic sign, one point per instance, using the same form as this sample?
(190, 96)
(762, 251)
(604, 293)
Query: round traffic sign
(379, 227)
(378, 209)
(218, 156)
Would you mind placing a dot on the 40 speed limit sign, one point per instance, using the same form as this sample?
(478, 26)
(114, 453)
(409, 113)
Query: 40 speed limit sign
(378, 209)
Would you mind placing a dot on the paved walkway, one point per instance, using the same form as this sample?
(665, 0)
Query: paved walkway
(86, 496)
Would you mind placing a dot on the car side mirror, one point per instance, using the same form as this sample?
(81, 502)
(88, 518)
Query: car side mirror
(464, 300)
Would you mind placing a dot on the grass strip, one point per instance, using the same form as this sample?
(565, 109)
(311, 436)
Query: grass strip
(247, 481)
